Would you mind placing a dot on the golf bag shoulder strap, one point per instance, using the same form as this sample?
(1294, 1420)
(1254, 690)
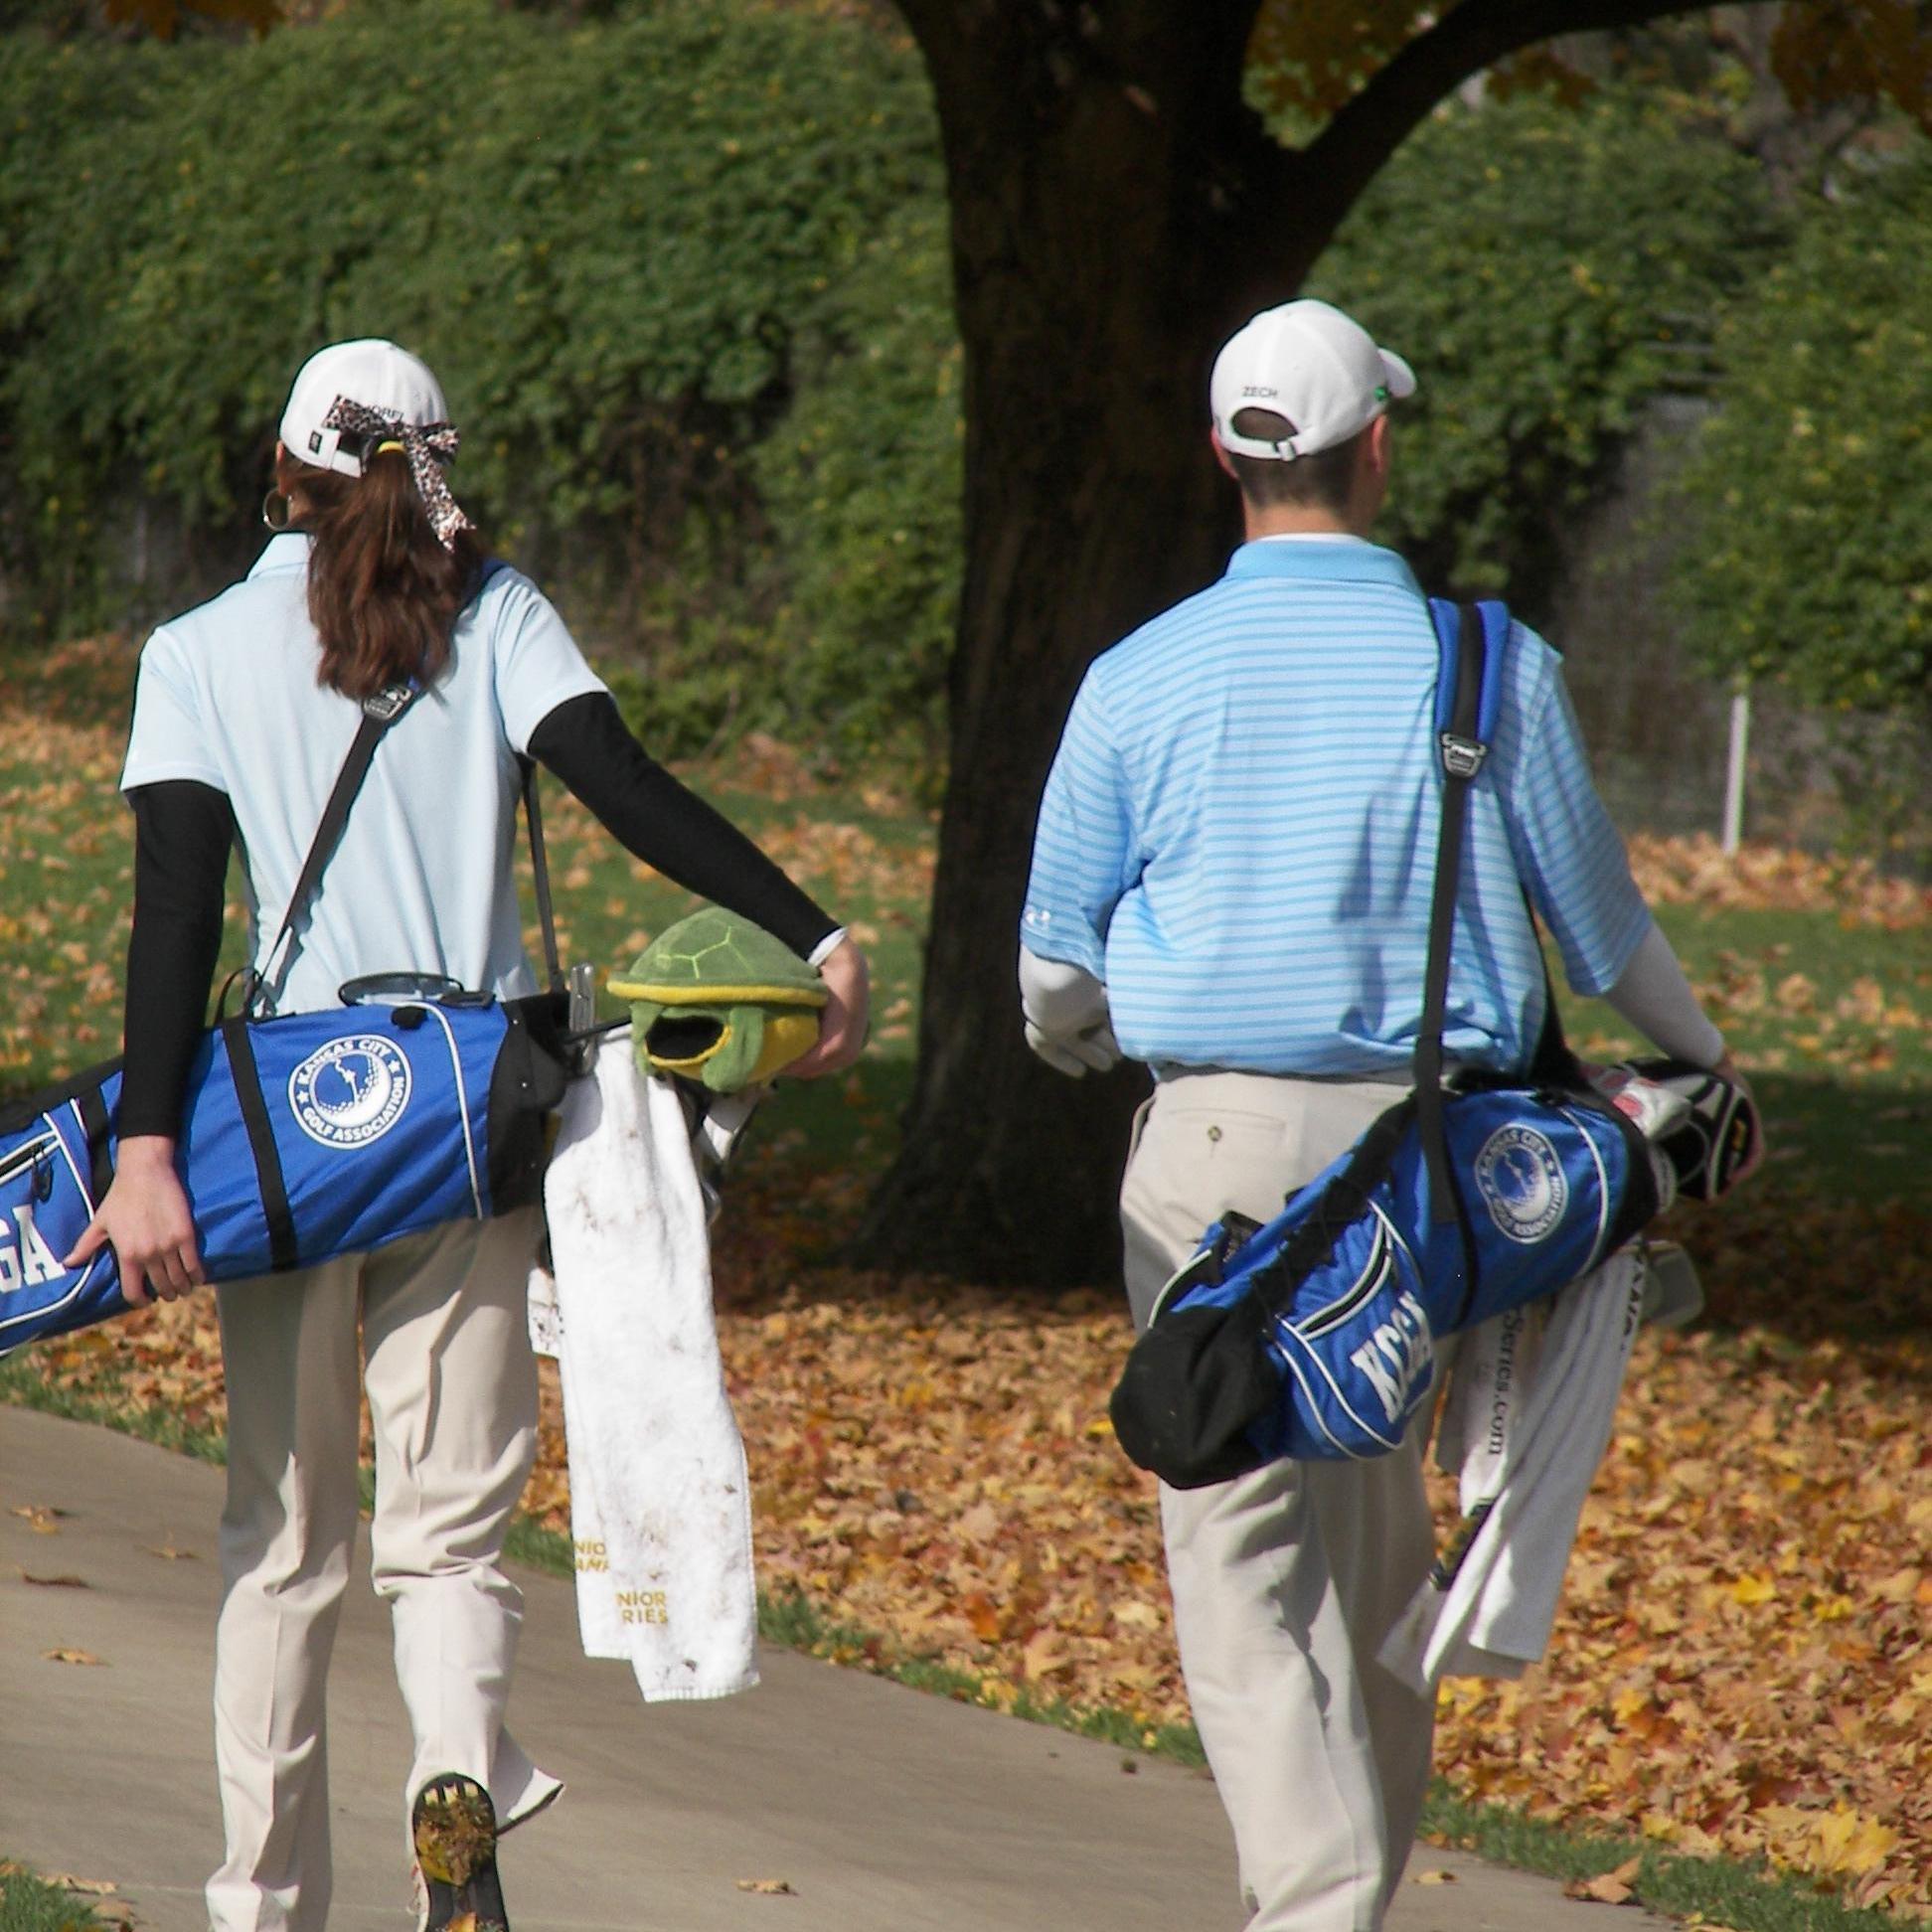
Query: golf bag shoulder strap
(1470, 639)
(1492, 628)
(1552, 1061)
(540, 874)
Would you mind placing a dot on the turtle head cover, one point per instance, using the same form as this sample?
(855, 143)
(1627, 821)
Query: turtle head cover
(717, 1000)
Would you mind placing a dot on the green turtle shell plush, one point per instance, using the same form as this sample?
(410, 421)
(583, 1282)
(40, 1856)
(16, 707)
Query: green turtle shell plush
(717, 999)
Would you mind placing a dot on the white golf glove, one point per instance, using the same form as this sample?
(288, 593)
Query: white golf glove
(1065, 1011)
(1074, 1053)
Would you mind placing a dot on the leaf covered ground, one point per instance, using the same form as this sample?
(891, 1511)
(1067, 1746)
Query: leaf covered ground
(1743, 1660)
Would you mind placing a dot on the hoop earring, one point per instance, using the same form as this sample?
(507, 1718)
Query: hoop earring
(275, 512)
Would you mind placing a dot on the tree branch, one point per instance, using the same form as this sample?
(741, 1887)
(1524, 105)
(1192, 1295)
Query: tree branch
(1110, 45)
(1348, 152)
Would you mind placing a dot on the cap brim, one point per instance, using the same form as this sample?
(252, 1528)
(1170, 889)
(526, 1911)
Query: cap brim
(1401, 377)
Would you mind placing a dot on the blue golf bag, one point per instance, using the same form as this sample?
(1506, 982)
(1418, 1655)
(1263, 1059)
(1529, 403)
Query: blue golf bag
(1314, 1336)
(303, 1137)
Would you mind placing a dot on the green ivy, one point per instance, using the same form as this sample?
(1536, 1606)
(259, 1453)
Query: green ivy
(1546, 269)
(683, 273)
(1809, 503)
(606, 239)
(863, 482)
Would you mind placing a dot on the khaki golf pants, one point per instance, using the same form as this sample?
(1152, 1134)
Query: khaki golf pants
(452, 1394)
(1285, 1580)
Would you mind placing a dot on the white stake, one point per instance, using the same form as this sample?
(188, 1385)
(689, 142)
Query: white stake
(1740, 739)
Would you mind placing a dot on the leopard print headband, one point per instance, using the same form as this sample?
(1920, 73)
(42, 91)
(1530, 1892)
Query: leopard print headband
(428, 447)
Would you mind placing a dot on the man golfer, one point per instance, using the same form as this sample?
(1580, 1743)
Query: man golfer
(1231, 875)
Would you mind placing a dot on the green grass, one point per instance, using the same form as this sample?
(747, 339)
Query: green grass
(859, 870)
(1751, 1898)
(1846, 1092)
(23, 1385)
(30, 1904)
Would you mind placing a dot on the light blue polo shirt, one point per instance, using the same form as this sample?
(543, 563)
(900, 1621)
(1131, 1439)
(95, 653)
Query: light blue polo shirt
(1238, 831)
(421, 880)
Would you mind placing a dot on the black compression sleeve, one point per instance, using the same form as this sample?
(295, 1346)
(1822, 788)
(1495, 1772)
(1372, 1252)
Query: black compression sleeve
(586, 742)
(182, 835)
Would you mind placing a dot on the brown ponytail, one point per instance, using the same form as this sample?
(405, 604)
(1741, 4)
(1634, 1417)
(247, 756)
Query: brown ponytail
(383, 592)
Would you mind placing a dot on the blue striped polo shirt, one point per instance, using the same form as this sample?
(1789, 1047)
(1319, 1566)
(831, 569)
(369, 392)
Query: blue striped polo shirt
(1238, 831)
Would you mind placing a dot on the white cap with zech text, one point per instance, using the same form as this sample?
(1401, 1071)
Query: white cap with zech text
(1311, 365)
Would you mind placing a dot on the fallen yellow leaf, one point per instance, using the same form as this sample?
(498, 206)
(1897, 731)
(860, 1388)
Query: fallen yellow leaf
(1627, 1704)
(1607, 1887)
(1849, 1842)
(1043, 1655)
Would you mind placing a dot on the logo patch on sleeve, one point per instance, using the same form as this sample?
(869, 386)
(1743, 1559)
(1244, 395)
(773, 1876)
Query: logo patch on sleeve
(351, 1092)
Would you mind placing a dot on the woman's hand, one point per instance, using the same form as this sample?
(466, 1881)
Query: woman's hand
(845, 1017)
(144, 1217)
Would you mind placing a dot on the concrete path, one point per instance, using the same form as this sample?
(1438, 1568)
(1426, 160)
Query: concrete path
(880, 1807)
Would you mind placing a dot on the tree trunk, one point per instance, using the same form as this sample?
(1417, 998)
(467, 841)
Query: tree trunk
(1107, 224)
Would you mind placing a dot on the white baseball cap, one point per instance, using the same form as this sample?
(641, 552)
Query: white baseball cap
(370, 371)
(1309, 363)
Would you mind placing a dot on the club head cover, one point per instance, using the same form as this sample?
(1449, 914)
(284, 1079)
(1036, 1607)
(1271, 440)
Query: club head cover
(1655, 1111)
(1720, 1134)
(717, 1000)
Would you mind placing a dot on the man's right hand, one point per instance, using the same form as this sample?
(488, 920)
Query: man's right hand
(1063, 1009)
(144, 1217)
(1094, 1049)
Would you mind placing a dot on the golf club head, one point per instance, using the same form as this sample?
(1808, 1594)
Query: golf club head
(1673, 1294)
(1720, 1134)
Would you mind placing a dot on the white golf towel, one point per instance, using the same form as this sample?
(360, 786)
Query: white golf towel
(660, 1498)
(1532, 1396)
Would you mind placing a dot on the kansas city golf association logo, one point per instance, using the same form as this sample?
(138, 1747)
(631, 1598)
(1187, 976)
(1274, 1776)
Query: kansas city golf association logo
(1523, 1182)
(351, 1092)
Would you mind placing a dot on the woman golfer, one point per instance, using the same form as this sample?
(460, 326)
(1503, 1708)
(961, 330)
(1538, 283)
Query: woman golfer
(244, 714)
